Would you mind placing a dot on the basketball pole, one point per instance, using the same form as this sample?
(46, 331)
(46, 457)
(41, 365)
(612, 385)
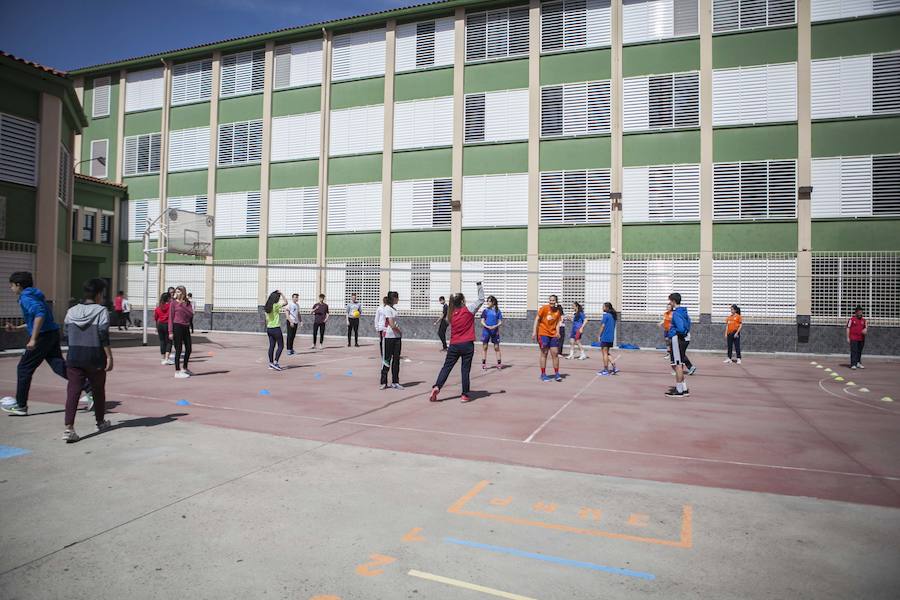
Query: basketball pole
(147, 252)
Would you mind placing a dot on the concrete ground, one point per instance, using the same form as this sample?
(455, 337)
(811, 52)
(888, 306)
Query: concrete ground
(174, 504)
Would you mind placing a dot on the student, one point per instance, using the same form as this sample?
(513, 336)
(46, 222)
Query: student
(379, 326)
(562, 330)
(607, 338)
(491, 320)
(664, 325)
(117, 307)
(462, 341)
(857, 329)
(161, 316)
(89, 358)
(579, 320)
(679, 333)
(442, 324)
(392, 344)
(180, 313)
(191, 300)
(320, 317)
(293, 322)
(354, 311)
(42, 345)
(126, 311)
(733, 325)
(273, 307)
(546, 333)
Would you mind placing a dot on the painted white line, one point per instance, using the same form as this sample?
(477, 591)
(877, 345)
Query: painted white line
(830, 393)
(467, 586)
(562, 408)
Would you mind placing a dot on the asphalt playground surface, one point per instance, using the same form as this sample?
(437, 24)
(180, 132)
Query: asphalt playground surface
(776, 478)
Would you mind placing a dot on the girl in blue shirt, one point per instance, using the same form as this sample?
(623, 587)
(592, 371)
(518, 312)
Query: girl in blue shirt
(491, 320)
(607, 337)
(579, 320)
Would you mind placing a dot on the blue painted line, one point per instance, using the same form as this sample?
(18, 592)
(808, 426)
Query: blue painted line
(553, 559)
(11, 451)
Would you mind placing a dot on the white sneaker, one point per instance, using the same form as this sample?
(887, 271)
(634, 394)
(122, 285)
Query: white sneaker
(164, 361)
(582, 357)
(738, 361)
(727, 360)
(189, 372)
(853, 367)
(170, 361)
(396, 386)
(8, 401)
(313, 347)
(70, 436)
(181, 375)
(384, 386)
(859, 366)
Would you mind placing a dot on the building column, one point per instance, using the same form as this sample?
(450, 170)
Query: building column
(164, 172)
(324, 150)
(209, 279)
(534, 152)
(387, 155)
(76, 148)
(615, 171)
(116, 242)
(804, 160)
(459, 113)
(120, 127)
(48, 270)
(704, 12)
(263, 279)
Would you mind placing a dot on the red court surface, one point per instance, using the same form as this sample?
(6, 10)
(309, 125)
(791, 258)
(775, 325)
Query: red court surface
(774, 424)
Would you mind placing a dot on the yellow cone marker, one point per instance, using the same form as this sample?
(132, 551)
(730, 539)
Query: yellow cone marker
(849, 383)
(828, 370)
(887, 399)
(819, 367)
(864, 389)
(812, 362)
(838, 378)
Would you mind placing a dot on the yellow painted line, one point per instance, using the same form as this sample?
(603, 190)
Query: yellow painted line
(467, 586)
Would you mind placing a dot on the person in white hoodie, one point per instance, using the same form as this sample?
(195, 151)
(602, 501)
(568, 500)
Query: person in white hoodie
(89, 357)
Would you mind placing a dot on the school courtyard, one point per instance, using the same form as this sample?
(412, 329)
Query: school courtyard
(777, 478)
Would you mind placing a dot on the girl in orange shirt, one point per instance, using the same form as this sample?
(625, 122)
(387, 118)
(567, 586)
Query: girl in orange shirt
(733, 325)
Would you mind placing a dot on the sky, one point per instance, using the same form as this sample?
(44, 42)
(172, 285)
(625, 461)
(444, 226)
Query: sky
(68, 34)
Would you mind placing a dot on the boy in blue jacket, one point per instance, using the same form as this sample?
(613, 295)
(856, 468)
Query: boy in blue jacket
(680, 334)
(43, 341)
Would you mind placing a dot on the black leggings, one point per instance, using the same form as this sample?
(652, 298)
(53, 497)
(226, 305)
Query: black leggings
(182, 335)
(275, 339)
(734, 341)
(165, 344)
(291, 334)
(319, 328)
(353, 326)
(463, 351)
(391, 360)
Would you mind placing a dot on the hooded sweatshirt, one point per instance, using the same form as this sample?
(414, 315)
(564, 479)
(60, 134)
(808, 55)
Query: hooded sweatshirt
(87, 327)
(681, 322)
(34, 305)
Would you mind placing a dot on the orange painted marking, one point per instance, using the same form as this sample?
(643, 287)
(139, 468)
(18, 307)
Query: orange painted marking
(325, 598)
(639, 520)
(413, 535)
(378, 560)
(501, 501)
(590, 513)
(544, 507)
(686, 540)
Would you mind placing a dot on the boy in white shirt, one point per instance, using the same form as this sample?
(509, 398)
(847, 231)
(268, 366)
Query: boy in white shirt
(392, 344)
(293, 322)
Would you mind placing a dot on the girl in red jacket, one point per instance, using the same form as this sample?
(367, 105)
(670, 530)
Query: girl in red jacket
(161, 316)
(461, 317)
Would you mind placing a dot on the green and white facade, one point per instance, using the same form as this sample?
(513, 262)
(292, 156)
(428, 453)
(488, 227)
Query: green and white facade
(737, 151)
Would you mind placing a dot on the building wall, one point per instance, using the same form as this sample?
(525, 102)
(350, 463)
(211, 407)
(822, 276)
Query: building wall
(779, 259)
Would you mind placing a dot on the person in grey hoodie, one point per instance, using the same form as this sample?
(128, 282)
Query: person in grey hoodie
(89, 357)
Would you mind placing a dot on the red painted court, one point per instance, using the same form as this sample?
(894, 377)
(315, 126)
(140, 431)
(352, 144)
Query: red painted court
(774, 424)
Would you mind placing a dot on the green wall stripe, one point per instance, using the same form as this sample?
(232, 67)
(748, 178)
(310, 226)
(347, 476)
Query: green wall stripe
(574, 240)
(423, 84)
(422, 164)
(296, 101)
(665, 57)
(858, 36)
(292, 246)
(362, 92)
(495, 158)
(569, 67)
(304, 173)
(755, 237)
(856, 136)
(241, 108)
(575, 153)
(664, 148)
(190, 183)
(766, 46)
(676, 237)
(420, 243)
(755, 143)
(148, 121)
(189, 116)
(490, 242)
(242, 248)
(238, 179)
(353, 245)
(145, 186)
(859, 235)
(503, 75)
(354, 169)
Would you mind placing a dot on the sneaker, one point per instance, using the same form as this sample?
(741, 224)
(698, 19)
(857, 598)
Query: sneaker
(8, 401)
(70, 436)
(291, 352)
(104, 426)
(272, 366)
(686, 392)
(356, 345)
(434, 394)
(465, 398)
(853, 367)
(348, 344)
(738, 361)
(384, 386)
(181, 375)
(859, 366)
(727, 360)
(164, 361)
(604, 373)
(499, 366)
(484, 366)
(170, 362)
(278, 367)
(582, 357)
(396, 386)
(615, 370)
(672, 392)
(557, 377)
(313, 347)
(88, 399)
(545, 378)
(15, 409)
(692, 370)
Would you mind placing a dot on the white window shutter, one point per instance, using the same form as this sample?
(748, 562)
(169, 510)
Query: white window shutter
(635, 104)
(298, 64)
(18, 150)
(293, 211)
(401, 282)
(423, 123)
(243, 73)
(192, 82)
(144, 90)
(139, 211)
(781, 92)
(644, 20)
(756, 94)
(100, 100)
(358, 54)
(405, 52)
(826, 88)
(357, 130)
(826, 182)
(635, 194)
(856, 186)
(240, 143)
(142, 154)
(99, 149)
(189, 149)
(354, 207)
(506, 115)
(237, 214)
(827, 10)
(402, 205)
(295, 137)
(495, 200)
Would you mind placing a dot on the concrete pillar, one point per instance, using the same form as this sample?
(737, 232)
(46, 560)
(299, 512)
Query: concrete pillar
(704, 13)
(163, 171)
(76, 148)
(615, 173)
(387, 156)
(534, 151)
(459, 101)
(114, 238)
(804, 160)
(120, 127)
(48, 270)
(209, 279)
(324, 149)
(263, 279)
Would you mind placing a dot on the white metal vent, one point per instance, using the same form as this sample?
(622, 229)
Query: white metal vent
(575, 197)
(495, 200)
(293, 211)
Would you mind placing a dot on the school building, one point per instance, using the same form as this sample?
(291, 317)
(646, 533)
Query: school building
(736, 151)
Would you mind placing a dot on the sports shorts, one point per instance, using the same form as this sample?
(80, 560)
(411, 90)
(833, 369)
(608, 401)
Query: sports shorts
(545, 341)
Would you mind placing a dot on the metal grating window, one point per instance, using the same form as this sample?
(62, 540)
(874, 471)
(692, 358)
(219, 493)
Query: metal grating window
(755, 190)
(649, 20)
(295, 276)
(18, 150)
(582, 278)
(424, 44)
(240, 143)
(826, 10)
(420, 281)
(763, 285)
(503, 276)
(661, 101)
(294, 210)
(497, 34)
(192, 277)
(421, 204)
(661, 193)
(296, 137)
(358, 54)
(500, 116)
(841, 281)
(100, 99)
(189, 149)
(357, 130)
(571, 24)
(131, 277)
(298, 64)
(756, 94)
(346, 276)
(14, 256)
(423, 123)
(574, 197)
(192, 82)
(648, 279)
(144, 90)
(495, 200)
(736, 15)
(237, 214)
(141, 154)
(856, 186)
(243, 73)
(575, 109)
(354, 207)
(235, 284)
